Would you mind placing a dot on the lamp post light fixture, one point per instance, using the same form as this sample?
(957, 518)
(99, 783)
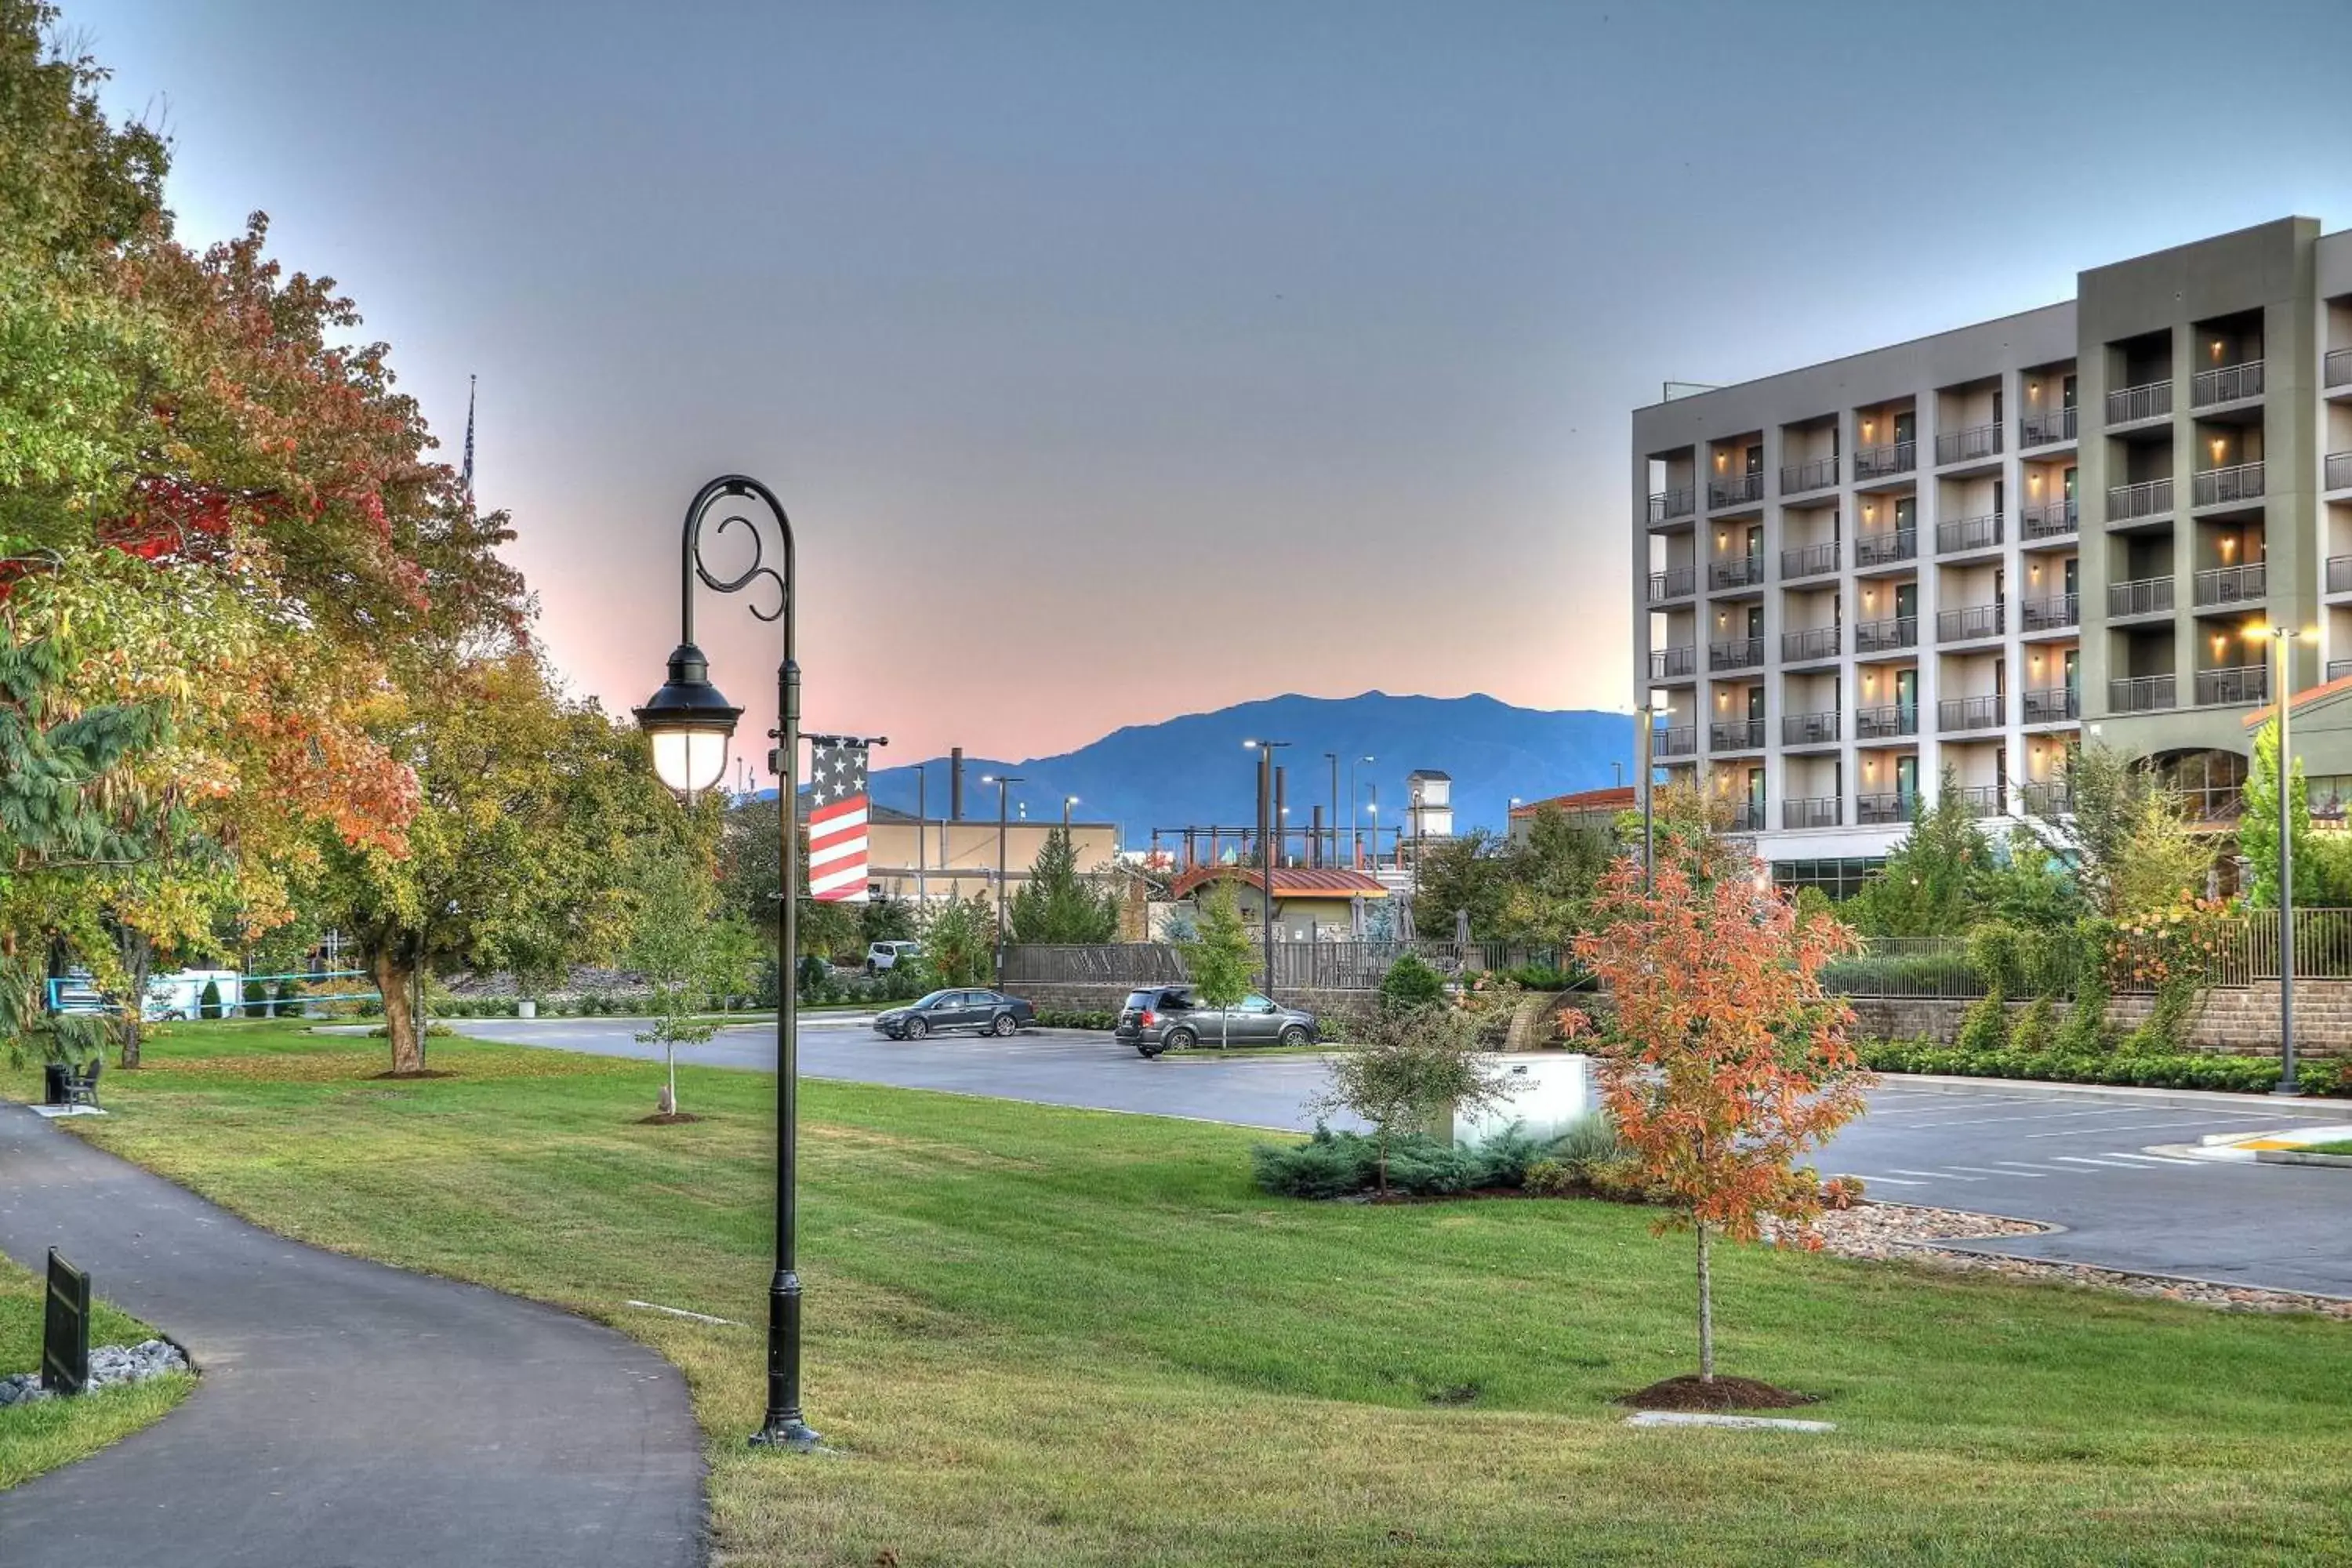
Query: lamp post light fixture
(1003, 782)
(1067, 800)
(688, 724)
(1646, 766)
(1266, 855)
(2283, 638)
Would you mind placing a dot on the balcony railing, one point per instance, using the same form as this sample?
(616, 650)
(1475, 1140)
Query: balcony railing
(1675, 583)
(1886, 636)
(1734, 735)
(1734, 653)
(2336, 370)
(1665, 663)
(1969, 534)
(2048, 800)
(1889, 721)
(1879, 462)
(1879, 810)
(2129, 405)
(1972, 621)
(1821, 811)
(2052, 705)
(2143, 694)
(1812, 642)
(2149, 498)
(1808, 560)
(1982, 799)
(2338, 472)
(2228, 584)
(2339, 574)
(1808, 729)
(1885, 549)
(1680, 740)
(1738, 489)
(2049, 425)
(1667, 504)
(1966, 445)
(2225, 384)
(1739, 572)
(1969, 714)
(2141, 596)
(1747, 816)
(2239, 481)
(2241, 683)
(2051, 520)
(2050, 614)
(1817, 475)
(2337, 668)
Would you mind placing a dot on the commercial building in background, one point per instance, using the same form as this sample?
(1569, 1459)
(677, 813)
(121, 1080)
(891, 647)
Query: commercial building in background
(944, 858)
(1593, 810)
(1974, 551)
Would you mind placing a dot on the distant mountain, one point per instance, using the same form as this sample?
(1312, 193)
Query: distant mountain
(1193, 770)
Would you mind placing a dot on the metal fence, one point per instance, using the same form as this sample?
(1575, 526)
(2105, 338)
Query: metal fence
(1300, 965)
(2245, 951)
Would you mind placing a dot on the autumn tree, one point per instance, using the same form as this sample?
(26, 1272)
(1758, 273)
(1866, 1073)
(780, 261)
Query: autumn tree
(1730, 1060)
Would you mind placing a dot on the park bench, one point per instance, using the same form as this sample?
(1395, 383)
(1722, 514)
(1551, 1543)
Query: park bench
(70, 1085)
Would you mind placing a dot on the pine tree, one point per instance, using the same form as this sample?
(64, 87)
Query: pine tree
(1058, 905)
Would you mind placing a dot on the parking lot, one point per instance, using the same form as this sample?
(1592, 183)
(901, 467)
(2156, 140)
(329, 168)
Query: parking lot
(2081, 1164)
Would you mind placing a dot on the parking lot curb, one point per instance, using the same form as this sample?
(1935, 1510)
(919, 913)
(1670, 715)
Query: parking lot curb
(2295, 1108)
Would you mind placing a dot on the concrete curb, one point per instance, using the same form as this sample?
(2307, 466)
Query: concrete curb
(2302, 1107)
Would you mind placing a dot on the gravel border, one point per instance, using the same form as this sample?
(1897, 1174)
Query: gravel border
(1882, 1232)
(109, 1365)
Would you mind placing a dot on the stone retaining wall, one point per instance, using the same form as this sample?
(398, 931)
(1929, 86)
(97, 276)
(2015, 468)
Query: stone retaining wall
(2243, 1022)
(1094, 997)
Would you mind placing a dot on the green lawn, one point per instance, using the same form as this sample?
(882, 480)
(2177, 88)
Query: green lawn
(1048, 1337)
(41, 1436)
(2336, 1146)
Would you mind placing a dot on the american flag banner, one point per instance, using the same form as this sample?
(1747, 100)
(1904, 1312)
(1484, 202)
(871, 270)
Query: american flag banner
(837, 860)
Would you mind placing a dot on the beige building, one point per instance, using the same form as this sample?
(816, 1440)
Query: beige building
(1976, 550)
(940, 858)
(1310, 903)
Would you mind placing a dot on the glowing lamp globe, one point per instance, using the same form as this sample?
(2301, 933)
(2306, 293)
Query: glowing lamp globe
(688, 721)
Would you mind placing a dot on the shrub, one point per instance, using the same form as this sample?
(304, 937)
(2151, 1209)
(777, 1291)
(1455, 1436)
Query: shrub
(2036, 1030)
(2084, 1033)
(2184, 1069)
(208, 1002)
(1621, 1180)
(1551, 1179)
(1338, 1164)
(1590, 1140)
(290, 1001)
(1985, 1027)
(1405, 1066)
(1410, 982)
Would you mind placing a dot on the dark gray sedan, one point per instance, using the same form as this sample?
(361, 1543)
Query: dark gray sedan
(983, 1011)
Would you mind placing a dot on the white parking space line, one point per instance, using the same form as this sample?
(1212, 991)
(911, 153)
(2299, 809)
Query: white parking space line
(1882, 1181)
(2160, 1160)
(1935, 1175)
(1988, 1170)
(2069, 1116)
(2104, 1127)
(2086, 1160)
(2046, 1170)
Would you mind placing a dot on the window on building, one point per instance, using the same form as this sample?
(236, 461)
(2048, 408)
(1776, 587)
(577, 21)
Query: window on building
(1840, 878)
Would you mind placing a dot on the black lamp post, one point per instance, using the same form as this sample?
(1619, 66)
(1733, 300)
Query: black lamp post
(689, 724)
(1266, 856)
(1003, 782)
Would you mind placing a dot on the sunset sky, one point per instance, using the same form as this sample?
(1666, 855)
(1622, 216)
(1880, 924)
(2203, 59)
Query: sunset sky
(1118, 363)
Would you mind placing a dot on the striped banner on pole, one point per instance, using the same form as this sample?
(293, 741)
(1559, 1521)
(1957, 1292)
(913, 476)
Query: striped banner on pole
(838, 823)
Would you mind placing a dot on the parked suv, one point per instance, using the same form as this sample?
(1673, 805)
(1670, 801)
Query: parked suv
(882, 955)
(1166, 1018)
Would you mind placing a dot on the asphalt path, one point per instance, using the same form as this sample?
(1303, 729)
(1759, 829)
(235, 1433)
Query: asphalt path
(347, 1414)
(2082, 1164)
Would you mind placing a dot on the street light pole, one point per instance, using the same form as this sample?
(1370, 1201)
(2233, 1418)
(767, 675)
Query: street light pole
(1648, 770)
(923, 834)
(1333, 758)
(688, 724)
(1067, 800)
(1003, 782)
(2283, 638)
(1265, 857)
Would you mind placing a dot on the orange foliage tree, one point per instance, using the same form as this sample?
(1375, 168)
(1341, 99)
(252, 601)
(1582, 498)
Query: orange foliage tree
(1728, 1060)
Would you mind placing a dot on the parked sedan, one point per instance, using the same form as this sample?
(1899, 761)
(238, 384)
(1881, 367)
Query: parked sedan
(1167, 1017)
(983, 1012)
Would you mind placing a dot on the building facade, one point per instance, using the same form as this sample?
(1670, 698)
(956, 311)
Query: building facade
(1972, 551)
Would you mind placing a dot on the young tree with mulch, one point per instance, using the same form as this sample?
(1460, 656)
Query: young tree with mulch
(1219, 957)
(690, 955)
(1730, 1060)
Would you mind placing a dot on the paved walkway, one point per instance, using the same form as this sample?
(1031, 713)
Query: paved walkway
(349, 1415)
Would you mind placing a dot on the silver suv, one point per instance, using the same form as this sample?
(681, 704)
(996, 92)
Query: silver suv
(1166, 1019)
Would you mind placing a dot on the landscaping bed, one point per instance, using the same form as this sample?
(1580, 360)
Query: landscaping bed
(1043, 1336)
(2170, 1070)
(39, 1435)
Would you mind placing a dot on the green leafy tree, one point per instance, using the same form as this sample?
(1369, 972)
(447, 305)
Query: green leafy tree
(747, 874)
(1402, 1070)
(2258, 826)
(2024, 883)
(2128, 835)
(1056, 904)
(1411, 984)
(1687, 829)
(958, 937)
(1925, 888)
(1470, 873)
(1219, 957)
(886, 918)
(692, 957)
(1550, 878)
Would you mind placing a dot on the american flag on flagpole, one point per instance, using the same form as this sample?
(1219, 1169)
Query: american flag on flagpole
(466, 476)
(838, 812)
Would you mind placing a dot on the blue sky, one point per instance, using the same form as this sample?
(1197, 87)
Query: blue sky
(1119, 362)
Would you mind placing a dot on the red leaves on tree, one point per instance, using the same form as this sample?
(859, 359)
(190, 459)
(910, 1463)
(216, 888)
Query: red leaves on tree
(1730, 1061)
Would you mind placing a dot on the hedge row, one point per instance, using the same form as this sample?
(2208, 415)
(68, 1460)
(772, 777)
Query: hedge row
(2186, 1069)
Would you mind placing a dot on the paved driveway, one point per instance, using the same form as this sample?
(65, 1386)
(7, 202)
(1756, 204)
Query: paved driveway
(2079, 1164)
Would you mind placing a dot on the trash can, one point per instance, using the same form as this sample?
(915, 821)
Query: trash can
(53, 1083)
(526, 1008)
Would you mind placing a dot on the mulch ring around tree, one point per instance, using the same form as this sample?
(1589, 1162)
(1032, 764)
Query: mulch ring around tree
(666, 1119)
(1689, 1393)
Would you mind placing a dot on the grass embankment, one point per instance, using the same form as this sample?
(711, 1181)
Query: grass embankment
(52, 1432)
(1050, 1337)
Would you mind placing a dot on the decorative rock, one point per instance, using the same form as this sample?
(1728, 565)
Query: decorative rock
(109, 1365)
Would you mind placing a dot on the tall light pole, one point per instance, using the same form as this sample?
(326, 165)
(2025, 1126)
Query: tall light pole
(1643, 764)
(1355, 834)
(1333, 758)
(2282, 638)
(1067, 800)
(1265, 750)
(1003, 782)
(923, 834)
(688, 724)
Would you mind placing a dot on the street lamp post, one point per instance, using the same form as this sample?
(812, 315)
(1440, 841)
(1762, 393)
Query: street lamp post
(1003, 782)
(1067, 800)
(2282, 639)
(1374, 813)
(1265, 857)
(1355, 821)
(688, 724)
(1647, 768)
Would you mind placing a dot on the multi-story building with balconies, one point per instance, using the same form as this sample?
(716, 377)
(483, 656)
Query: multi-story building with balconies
(1970, 552)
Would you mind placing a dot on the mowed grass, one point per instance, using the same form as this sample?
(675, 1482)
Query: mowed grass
(52, 1432)
(1046, 1337)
